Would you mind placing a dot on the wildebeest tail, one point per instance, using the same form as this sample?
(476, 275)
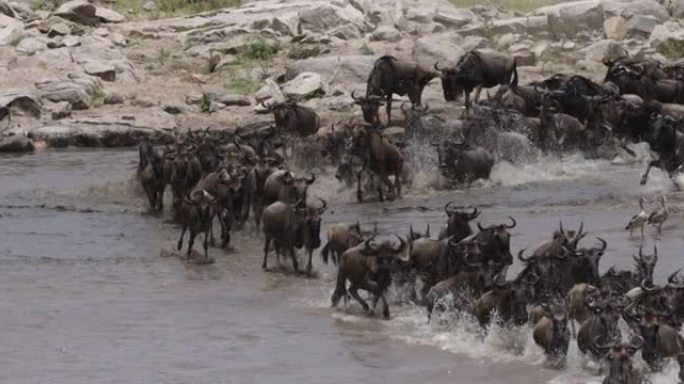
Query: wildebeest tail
(324, 253)
(514, 79)
(340, 289)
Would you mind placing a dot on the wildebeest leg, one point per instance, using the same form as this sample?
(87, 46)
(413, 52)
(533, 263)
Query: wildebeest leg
(160, 199)
(644, 178)
(353, 291)
(293, 255)
(180, 241)
(206, 243)
(477, 93)
(191, 242)
(267, 243)
(389, 109)
(309, 267)
(397, 183)
(385, 306)
(467, 103)
(359, 191)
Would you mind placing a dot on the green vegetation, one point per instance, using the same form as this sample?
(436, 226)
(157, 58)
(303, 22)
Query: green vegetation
(515, 5)
(46, 5)
(365, 50)
(196, 6)
(304, 51)
(205, 103)
(260, 49)
(163, 55)
(671, 49)
(16, 41)
(242, 86)
(97, 98)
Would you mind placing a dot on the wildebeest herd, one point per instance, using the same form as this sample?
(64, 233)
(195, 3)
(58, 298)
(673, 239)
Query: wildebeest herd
(225, 180)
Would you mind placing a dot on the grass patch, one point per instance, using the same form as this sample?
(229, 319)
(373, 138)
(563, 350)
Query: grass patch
(195, 6)
(16, 41)
(205, 103)
(260, 49)
(98, 98)
(365, 50)
(132, 6)
(516, 5)
(671, 49)
(163, 55)
(241, 86)
(304, 51)
(46, 5)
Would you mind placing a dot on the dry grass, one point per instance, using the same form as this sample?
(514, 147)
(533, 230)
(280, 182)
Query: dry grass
(175, 7)
(515, 5)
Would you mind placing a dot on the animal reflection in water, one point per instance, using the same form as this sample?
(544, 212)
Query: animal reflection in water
(215, 177)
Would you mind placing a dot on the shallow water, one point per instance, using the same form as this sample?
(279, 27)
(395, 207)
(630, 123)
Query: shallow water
(87, 296)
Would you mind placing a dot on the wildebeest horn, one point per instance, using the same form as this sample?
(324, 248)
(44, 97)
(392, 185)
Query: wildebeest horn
(402, 244)
(474, 214)
(522, 258)
(447, 208)
(427, 230)
(367, 245)
(581, 234)
(514, 223)
(402, 106)
(479, 226)
(645, 288)
(673, 281)
(410, 231)
(311, 178)
(602, 347)
(561, 228)
(655, 253)
(357, 99)
(324, 205)
(437, 68)
(434, 142)
(604, 244)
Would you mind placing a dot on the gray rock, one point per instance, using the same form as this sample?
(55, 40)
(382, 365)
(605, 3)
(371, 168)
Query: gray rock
(453, 17)
(174, 109)
(10, 29)
(59, 29)
(6, 9)
(194, 98)
(31, 45)
(79, 11)
(21, 104)
(150, 6)
(101, 55)
(143, 102)
(109, 16)
(16, 143)
(103, 70)
(347, 31)
(101, 31)
(113, 98)
(441, 47)
(667, 36)
(629, 8)
(615, 28)
(77, 89)
(304, 84)
(590, 66)
(118, 39)
(386, 33)
(23, 11)
(474, 42)
(641, 26)
(287, 24)
(60, 110)
(600, 50)
(341, 69)
(676, 8)
(230, 100)
(322, 17)
(566, 19)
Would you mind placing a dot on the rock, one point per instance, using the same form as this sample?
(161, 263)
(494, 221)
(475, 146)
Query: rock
(566, 19)
(6, 9)
(518, 25)
(590, 66)
(71, 41)
(420, 14)
(668, 36)
(676, 8)
(16, 143)
(103, 70)
(346, 32)
(629, 8)
(194, 98)
(287, 24)
(21, 104)
(59, 29)
(305, 84)
(10, 30)
(102, 56)
(601, 50)
(641, 26)
(386, 33)
(150, 6)
(453, 17)
(118, 39)
(143, 102)
(79, 11)
(60, 110)
(77, 89)
(442, 47)
(322, 18)
(615, 28)
(109, 16)
(342, 69)
(474, 42)
(23, 11)
(174, 109)
(506, 40)
(230, 100)
(31, 45)
(113, 98)
(101, 31)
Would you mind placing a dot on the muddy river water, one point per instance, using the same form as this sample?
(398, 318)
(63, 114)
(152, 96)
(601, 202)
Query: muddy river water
(87, 297)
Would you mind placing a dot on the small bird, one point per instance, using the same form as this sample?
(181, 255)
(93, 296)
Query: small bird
(639, 219)
(660, 215)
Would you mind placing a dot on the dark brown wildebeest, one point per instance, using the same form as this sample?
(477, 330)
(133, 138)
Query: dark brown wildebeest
(508, 298)
(254, 184)
(661, 340)
(182, 171)
(621, 369)
(602, 325)
(292, 226)
(551, 332)
(559, 130)
(463, 162)
(222, 186)
(458, 222)
(151, 175)
(294, 119)
(391, 76)
(343, 236)
(380, 157)
(368, 267)
(477, 69)
(495, 242)
(283, 185)
(561, 239)
(196, 213)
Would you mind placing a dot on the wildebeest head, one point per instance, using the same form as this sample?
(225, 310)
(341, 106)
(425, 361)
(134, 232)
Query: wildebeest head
(458, 222)
(619, 357)
(451, 82)
(647, 322)
(572, 238)
(450, 154)
(486, 270)
(413, 236)
(311, 219)
(384, 253)
(586, 268)
(645, 264)
(547, 270)
(298, 185)
(370, 107)
(515, 296)
(495, 241)
(350, 165)
(663, 135)
(607, 311)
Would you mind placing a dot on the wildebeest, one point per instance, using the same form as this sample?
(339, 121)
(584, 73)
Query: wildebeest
(182, 171)
(391, 76)
(621, 369)
(380, 157)
(294, 119)
(559, 130)
(292, 226)
(367, 267)
(561, 239)
(222, 186)
(342, 236)
(196, 213)
(285, 186)
(667, 140)
(551, 333)
(463, 162)
(255, 182)
(458, 222)
(660, 339)
(494, 242)
(508, 298)
(151, 175)
(477, 69)
(602, 326)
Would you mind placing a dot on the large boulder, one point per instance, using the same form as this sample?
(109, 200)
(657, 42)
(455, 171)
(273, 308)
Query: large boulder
(518, 25)
(16, 143)
(79, 11)
(287, 24)
(641, 26)
(6, 9)
(600, 50)
(668, 37)
(386, 33)
(99, 59)
(452, 17)
(304, 85)
(11, 29)
(614, 28)
(103, 70)
(22, 11)
(109, 16)
(30, 45)
(566, 19)
(77, 89)
(444, 47)
(323, 18)
(629, 8)
(20, 103)
(341, 69)
(675, 8)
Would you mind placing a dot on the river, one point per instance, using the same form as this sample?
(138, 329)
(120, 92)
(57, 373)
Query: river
(87, 297)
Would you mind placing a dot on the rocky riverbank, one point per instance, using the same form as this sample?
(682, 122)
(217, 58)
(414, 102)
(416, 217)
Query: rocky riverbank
(88, 75)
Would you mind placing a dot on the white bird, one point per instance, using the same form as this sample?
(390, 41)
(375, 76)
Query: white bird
(639, 219)
(660, 215)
